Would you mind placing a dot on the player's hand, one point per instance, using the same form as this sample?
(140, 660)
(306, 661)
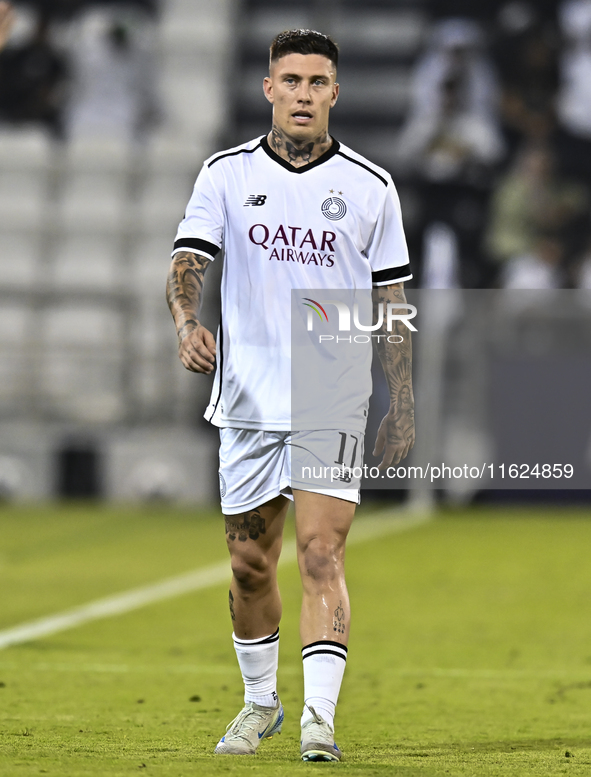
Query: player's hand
(6, 21)
(197, 350)
(396, 436)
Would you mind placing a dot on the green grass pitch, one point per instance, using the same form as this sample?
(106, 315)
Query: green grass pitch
(470, 651)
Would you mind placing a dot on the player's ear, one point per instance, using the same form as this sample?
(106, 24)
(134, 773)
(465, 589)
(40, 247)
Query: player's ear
(268, 89)
(335, 94)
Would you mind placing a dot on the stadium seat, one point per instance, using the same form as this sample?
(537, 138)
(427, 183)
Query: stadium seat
(162, 203)
(25, 149)
(19, 260)
(88, 261)
(23, 196)
(93, 200)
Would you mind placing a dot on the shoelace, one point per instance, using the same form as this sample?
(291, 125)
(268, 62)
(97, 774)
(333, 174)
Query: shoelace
(241, 719)
(320, 721)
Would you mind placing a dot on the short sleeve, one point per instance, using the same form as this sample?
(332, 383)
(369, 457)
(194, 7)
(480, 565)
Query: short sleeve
(387, 250)
(202, 228)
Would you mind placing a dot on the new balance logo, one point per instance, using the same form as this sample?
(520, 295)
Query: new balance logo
(255, 199)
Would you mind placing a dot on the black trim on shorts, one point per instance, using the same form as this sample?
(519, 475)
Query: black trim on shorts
(391, 274)
(365, 167)
(196, 245)
(334, 149)
(234, 153)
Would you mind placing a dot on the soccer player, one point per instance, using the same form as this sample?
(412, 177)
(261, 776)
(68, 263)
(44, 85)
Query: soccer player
(292, 210)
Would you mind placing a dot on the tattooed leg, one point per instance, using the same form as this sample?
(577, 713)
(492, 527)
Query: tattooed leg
(322, 525)
(254, 541)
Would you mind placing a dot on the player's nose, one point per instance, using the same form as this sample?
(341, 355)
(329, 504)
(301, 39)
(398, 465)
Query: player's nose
(304, 93)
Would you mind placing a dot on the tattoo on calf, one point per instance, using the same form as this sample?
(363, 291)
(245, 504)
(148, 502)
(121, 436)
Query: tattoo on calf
(245, 526)
(338, 623)
(231, 599)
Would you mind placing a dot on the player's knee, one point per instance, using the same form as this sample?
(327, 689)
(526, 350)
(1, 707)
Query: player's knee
(251, 573)
(322, 558)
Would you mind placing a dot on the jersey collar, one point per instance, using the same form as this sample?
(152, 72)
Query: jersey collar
(334, 149)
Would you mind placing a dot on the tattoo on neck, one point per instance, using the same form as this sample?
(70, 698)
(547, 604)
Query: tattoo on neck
(297, 154)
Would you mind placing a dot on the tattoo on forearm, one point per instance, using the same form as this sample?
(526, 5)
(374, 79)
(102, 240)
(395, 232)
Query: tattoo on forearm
(338, 623)
(183, 290)
(231, 601)
(245, 526)
(396, 359)
(298, 154)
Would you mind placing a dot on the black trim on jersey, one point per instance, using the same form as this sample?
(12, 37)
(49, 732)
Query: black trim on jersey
(325, 643)
(197, 245)
(334, 149)
(268, 640)
(392, 274)
(234, 153)
(365, 167)
(220, 367)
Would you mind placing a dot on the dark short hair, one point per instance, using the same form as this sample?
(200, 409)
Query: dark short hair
(304, 42)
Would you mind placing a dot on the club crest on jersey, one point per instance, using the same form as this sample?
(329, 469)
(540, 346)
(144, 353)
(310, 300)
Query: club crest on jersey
(333, 208)
(255, 199)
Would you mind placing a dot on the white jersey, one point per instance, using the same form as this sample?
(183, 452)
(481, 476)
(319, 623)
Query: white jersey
(331, 224)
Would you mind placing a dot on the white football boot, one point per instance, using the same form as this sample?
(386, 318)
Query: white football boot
(317, 742)
(249, 727)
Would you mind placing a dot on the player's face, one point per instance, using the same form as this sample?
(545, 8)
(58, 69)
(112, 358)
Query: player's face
(302, 89)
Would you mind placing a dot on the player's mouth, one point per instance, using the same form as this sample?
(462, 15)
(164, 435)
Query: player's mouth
(302, 117)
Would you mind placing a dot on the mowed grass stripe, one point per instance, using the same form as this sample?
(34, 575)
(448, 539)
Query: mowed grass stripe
(380, 524)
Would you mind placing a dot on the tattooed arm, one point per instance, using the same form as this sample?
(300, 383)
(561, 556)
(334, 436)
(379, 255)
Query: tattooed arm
(183, 293)
(396, 434)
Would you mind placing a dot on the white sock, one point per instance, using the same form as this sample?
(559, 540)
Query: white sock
(324, 666)
(258, 659)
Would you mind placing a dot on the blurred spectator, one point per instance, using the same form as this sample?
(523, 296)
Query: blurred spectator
(113, 79)
(574, 101)
(542, 267)
(6, 22)
(526, 52)
(455, 54)
(452, 141)
(66, 9)
(32, 81)
(538, 219)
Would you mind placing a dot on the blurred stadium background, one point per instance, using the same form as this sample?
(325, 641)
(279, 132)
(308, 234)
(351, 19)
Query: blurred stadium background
(481, 112)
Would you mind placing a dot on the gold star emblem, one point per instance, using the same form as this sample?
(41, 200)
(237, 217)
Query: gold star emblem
(340, 192)
(331, 191)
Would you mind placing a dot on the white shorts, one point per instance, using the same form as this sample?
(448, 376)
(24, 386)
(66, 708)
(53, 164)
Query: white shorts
(256, 466)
